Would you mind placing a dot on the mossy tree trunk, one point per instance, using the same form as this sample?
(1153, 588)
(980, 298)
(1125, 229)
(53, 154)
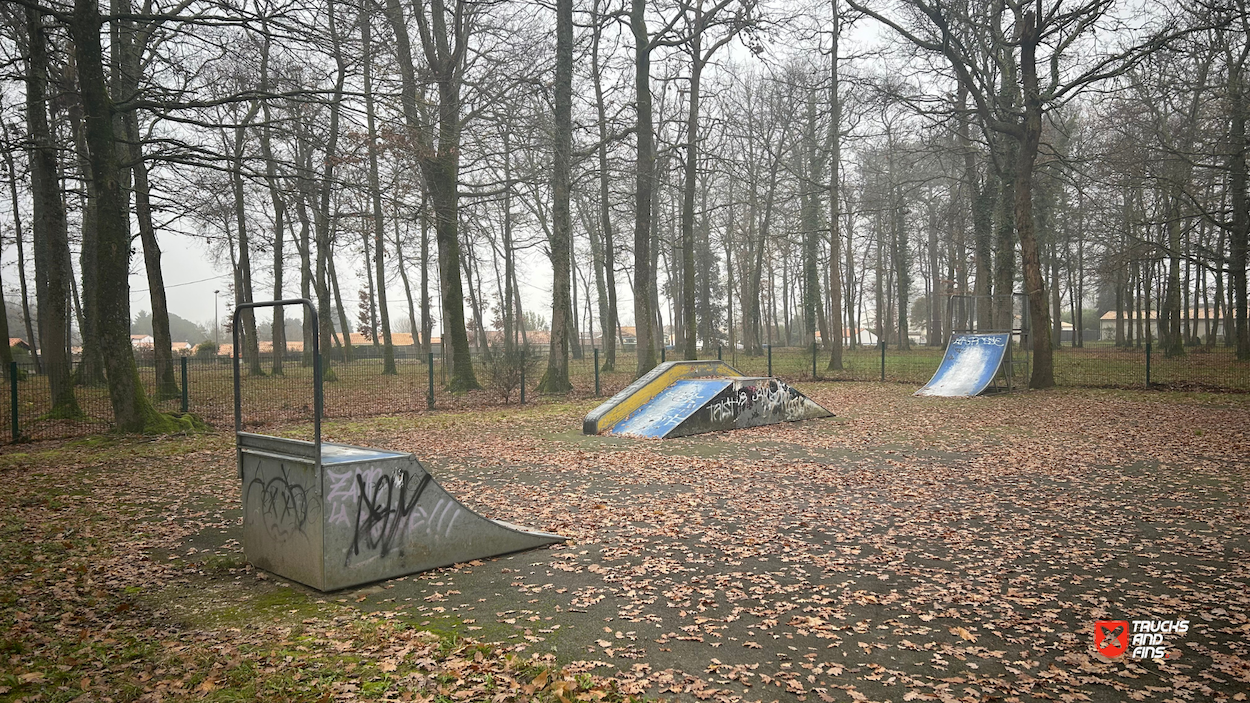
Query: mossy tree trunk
(132, 412)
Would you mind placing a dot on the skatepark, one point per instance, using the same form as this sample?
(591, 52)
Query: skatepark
(906, 546)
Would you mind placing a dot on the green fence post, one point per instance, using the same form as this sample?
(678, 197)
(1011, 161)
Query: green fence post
(186, 400)
(663, 353)
(813, 359)
(596, 373)
(429, 398)
(522, 378)
(1147, 364)
(882, 360)
(770, 360)
(17, 432)
(720, 352)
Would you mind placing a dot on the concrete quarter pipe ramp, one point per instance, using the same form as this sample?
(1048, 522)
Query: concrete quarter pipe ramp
(332, 516)
(971, 364)
(681, 398)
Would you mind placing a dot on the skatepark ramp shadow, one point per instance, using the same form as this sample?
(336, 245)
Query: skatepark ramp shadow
(681, 398)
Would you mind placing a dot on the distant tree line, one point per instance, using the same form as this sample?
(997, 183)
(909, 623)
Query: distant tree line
(746, 173)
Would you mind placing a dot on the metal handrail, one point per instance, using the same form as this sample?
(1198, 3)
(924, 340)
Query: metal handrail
(316, 355)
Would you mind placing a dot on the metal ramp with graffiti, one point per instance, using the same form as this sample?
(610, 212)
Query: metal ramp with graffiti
(972, 364)
(988, 348)
(681, 398)
(332, 515)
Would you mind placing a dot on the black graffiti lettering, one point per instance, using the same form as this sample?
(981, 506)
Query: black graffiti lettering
(283, 504)
(382, 512)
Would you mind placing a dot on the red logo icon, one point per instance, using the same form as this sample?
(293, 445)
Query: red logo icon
(1111, 637)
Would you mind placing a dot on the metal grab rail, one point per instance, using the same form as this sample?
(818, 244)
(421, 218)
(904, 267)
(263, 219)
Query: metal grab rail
(316, 355)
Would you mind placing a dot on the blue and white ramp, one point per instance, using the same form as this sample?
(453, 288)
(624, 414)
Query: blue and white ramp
(673, 406)
(970, 365)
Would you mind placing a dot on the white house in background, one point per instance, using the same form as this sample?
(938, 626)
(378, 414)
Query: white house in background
(139, 341)
(862, 337)
(1201, 322)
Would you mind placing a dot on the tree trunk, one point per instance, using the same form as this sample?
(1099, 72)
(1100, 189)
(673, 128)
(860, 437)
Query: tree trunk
(323, 218)
(810, 222)
(609, 317)
(403, 275)
(18, 237)
(91, 368)
(52, 256)
(340, 308)
(835, 206)
(440, 162)
(131, 410)
(934, 336)
(243, 292)
(902, 263)
(1010, 179)
(6, 351)
(1239, 232)
(556, 378)
(162, 341)
(279, 214)
(689, 343)
(1170, 334)
(509, 254)
(304, 244)
(375, 191)
(644, 275)
(1043, 355)
(128, 47)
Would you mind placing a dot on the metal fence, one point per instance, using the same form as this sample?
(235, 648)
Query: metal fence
(360, 389)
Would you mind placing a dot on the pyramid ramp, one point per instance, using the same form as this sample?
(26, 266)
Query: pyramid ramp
(971, 364)
(679, 399)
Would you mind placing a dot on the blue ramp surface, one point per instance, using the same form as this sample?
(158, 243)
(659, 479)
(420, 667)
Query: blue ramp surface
(671, 407)
(970, 364)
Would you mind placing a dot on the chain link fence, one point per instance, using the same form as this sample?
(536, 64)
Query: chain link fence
(361, 389)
